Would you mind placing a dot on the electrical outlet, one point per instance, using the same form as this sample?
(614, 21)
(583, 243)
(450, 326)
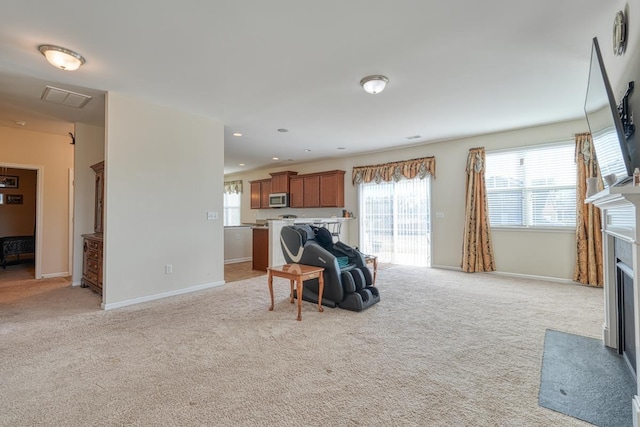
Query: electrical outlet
(212, 215)
(168, 269)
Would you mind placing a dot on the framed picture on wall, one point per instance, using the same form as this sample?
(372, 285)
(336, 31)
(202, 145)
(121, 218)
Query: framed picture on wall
(8, 181)
(13, 199)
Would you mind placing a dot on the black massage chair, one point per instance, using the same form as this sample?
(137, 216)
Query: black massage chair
(347, 279)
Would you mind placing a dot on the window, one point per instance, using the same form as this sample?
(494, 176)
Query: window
(231, 205)
(394, 219)
(532, 187)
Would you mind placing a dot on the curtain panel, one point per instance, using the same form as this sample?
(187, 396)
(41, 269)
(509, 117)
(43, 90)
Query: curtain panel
(231, 187)
(477, 250)
(589, 268)
(395, 171)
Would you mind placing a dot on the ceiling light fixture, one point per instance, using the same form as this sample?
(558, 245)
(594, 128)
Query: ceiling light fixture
(237, 134)
(374, 84)
(62, 58)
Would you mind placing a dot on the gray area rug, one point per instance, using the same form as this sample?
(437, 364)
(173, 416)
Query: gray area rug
(586, 380)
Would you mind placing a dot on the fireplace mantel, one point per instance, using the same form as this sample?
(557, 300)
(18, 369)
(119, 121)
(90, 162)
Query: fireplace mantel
(620, 207)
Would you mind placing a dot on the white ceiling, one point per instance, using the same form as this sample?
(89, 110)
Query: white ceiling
(456, 68)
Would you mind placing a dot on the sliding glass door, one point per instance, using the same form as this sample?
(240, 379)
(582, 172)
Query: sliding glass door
(395, 221)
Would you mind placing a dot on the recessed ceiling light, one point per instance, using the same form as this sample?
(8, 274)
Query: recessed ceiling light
(283, 130)
(307, 150)
(240, 164)
(289, 160)
(341, 148)
(413, 137)
(237, 134)
(276, 158)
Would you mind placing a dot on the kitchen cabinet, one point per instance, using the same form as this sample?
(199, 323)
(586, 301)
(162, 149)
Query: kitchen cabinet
(332, 189)
(311, 191)
(280, 181)
(260, 249)
(296, 192)
(260, 191)
(322, 189)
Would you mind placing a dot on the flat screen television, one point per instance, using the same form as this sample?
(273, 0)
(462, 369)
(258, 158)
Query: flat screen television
(604, 122)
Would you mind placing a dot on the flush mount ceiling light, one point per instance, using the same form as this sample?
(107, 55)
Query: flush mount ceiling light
(62, 58)
(374, 84)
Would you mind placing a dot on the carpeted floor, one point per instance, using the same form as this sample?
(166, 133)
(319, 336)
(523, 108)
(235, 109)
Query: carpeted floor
(442, 348)
(583, 378)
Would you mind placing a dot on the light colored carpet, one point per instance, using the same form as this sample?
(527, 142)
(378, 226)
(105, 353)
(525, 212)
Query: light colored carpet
(442, 348)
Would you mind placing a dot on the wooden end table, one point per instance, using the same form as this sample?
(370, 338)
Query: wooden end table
(297, 273)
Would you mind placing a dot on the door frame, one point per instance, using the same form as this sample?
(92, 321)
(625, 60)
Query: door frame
(39, 209)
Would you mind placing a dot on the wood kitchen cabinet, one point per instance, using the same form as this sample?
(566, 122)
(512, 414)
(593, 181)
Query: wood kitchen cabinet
(296, 192)
(314, 190)
(280, 181)
(332, 189)
(260, 191)
(311, 191)
(260, 251)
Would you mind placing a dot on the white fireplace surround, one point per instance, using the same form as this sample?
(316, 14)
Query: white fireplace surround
(619, 207)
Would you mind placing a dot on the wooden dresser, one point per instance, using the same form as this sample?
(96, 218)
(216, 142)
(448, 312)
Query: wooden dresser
(92, 245)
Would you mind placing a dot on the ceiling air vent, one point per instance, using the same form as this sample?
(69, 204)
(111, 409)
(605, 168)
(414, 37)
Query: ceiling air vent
(64, 97)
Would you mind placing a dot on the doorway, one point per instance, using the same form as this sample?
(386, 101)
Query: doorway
(395, 221)
(20, 215)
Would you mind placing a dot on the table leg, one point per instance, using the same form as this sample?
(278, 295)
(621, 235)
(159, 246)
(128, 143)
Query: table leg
(299, 290)
(270, 281)
(291, 294)
(320, 291)
(375, 270)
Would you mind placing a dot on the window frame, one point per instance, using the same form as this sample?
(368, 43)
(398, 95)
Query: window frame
(226, 208)
(527, 191)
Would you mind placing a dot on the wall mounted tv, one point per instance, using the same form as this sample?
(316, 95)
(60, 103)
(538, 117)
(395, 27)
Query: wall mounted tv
(604, 122)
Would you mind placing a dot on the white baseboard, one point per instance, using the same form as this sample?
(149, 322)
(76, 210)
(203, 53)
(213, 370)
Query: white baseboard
(148, 298)
(519, 275)
(237, 260)
(51, 275)
(635, 405)
(76, 283)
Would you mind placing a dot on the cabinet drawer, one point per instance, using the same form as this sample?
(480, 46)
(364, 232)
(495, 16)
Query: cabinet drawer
(92, 265)
(92, 244)
(93, 255)
(91, 276)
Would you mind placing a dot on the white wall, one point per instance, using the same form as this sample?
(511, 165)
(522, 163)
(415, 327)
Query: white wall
(550, 254)
(238, 244)
(89, 150)
(54, 155)
(163, 172)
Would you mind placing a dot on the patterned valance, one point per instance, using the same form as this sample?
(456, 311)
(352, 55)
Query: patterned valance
(233, 187)
(395, 170)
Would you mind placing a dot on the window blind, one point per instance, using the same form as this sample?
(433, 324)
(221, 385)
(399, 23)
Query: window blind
(532, 187)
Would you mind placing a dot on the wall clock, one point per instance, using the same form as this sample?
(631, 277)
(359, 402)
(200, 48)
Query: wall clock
(619, 33)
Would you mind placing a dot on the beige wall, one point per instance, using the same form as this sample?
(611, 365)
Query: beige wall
(54, 155)
(89, 150)
(527, 252)
(163, 172)
(19, 220)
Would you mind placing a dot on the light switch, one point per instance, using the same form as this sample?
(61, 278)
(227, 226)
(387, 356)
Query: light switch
(440, 215)
(212, 215)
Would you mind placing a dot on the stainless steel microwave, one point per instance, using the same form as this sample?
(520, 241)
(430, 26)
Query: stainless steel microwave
(279, 200)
